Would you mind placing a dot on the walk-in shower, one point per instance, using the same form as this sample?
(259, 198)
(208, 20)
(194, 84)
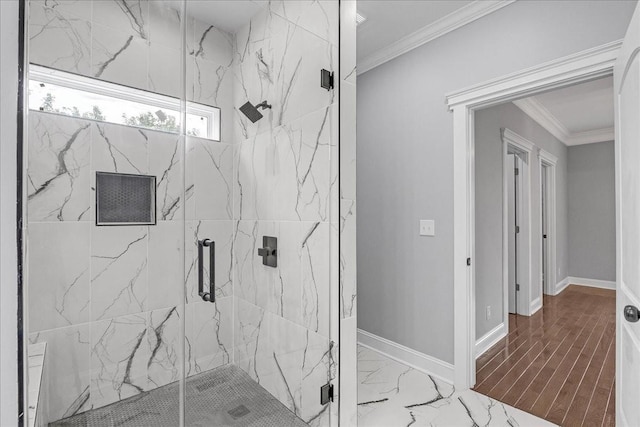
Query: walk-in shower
(155, 294)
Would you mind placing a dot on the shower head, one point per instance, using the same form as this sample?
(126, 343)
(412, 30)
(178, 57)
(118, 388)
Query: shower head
(252, 112)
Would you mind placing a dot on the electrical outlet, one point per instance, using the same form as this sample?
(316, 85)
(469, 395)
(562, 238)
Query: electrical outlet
(427, 227)
(488, 312)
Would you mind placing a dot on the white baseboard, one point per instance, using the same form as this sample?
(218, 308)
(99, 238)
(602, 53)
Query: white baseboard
(592, 283)
(490, 339)
(536, 305)
(420, 361)
(561, 286)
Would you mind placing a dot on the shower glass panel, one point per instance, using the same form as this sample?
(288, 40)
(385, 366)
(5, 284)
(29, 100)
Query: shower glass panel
(263, 350)
(205, 298)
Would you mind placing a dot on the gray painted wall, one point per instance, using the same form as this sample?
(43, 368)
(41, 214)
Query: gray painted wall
(489, 290)
(592, 224)
(405, 134)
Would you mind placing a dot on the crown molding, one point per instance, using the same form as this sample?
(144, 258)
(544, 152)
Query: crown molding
(582, 66)
(439, 28)
(541, 115)
(591, 136)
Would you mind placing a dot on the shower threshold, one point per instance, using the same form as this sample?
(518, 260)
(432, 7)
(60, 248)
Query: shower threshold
(225, 396)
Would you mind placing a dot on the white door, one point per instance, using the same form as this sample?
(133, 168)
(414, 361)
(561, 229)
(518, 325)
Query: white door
(627, 103)
(511, 229)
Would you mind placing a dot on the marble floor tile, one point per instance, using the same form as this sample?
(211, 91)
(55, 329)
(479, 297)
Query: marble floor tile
(393, 394)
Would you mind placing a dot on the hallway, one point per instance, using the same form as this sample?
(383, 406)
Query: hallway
(558, 364)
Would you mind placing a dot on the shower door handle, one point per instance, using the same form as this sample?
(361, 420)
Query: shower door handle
(211, 295)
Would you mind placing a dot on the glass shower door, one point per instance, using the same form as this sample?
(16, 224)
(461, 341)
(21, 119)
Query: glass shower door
(105, 201)
(181, 203)
(264, 193)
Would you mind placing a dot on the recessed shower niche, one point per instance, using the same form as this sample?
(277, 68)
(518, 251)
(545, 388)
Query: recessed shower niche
(129, 340)
(125, 199)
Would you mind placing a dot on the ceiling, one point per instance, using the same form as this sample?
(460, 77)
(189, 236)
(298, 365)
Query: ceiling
(578, 114)
(391, 20)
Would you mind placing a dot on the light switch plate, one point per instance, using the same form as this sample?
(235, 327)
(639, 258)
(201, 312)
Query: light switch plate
(427, 227)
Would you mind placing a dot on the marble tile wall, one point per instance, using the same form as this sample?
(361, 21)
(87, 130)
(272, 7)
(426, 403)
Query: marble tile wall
(107, 300)
(135, 43)
(106, 297)
(347, 202)
(285, 185)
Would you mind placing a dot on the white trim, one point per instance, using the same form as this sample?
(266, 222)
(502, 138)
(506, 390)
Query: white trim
(407, 356)
(490, 339)
(561, 285)
(576, 68)
(517, 143)
(580, 67)
(548, 158)
(535, 305)
(541, 115)
(463, 16)
(592, 283)
(549, 161)
(591, 136)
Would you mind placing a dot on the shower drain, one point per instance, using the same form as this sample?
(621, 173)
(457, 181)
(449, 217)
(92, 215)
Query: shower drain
(238, 412)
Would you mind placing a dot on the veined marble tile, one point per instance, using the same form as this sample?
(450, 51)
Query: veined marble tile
(166, 250)
(68, 360)
(164, 75)
(393, 394)
(221, 232)
(60, 35)
(126, 16)
(348, 141)
(348, 289)
(118, 56)
(319, 17)
(58, 176)
(164, 336)
(280, 367)
(164, 24)
(250, 333)
(348, 41)
(118, 271)
(118, 148)
(166, 162)
(211, 171)
(279, 62)
(277, 290)
(209, 338)
(318, 368)
(119, 357)
(59, 274)
(316, 258)
(348, 373)
(285, 174)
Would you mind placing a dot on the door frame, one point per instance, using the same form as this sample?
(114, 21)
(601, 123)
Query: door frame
(580, 67)
(548, 161)
(522, 146)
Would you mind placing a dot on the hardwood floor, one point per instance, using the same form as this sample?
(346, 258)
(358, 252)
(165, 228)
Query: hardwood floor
(558, 364)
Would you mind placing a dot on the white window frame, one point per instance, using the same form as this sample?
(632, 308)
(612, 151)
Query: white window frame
(126, 93)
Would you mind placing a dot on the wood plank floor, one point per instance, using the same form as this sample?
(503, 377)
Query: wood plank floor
(558, 364)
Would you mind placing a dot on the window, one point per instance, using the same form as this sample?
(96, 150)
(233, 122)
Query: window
(74, 95)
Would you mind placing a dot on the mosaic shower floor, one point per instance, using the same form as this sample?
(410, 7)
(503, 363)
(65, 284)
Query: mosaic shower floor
(225, 396)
